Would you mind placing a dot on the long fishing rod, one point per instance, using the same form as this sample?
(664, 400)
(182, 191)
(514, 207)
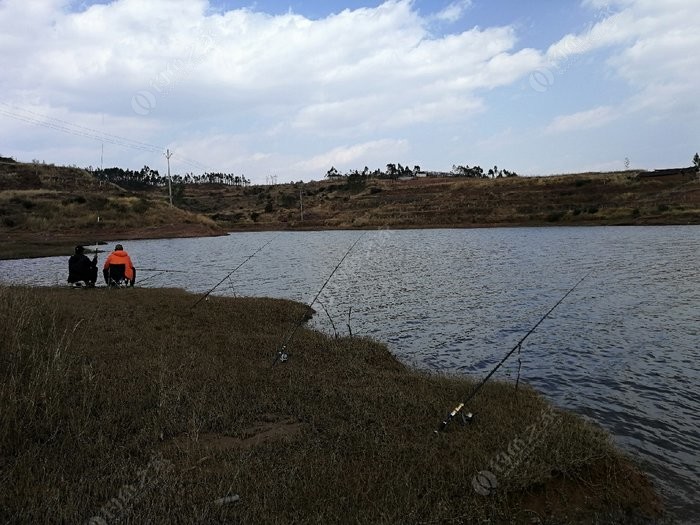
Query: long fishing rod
(163, 271)
(473, 393)
(233, 271)
(149, 277)
(282, 352)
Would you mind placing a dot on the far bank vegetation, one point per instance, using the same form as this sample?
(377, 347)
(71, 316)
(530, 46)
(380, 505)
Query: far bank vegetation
(37, 198)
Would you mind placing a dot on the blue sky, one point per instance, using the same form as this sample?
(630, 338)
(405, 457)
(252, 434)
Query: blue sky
(293, 88)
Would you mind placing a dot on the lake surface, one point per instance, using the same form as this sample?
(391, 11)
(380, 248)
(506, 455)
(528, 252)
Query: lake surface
(621, 349)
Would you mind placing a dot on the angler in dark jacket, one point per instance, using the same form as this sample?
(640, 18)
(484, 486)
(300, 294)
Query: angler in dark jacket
(80, 268)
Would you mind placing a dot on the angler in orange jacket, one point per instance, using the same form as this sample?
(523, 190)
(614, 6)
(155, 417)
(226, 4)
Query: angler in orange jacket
(118, 267)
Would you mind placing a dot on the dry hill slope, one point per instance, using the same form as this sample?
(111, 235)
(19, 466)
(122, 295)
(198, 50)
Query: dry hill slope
(44, 209)
(583, 199)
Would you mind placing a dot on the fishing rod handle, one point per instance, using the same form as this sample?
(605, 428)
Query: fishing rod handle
(449, 418)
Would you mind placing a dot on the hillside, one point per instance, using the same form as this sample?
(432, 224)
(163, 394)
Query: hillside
(44, 209)
(582, 199)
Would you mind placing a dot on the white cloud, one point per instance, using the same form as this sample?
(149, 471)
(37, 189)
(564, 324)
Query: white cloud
(453, 11)
(245, 90)
(591, 118)
(347, 157)
(654, 43)
(182, 65)
(354, 72)
(652, 47)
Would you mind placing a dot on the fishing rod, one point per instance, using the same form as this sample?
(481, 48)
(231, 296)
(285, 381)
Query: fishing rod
(149, 277)
(163, 270)
(233, 271)
(282, 354)
(94, 261)
(473, 393)
(159, 270)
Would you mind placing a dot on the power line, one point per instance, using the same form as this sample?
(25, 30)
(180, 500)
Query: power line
(57, 126)
(63, 126)
(86, 129)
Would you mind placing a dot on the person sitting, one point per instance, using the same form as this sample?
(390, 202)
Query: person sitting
(82, 269)
(118, 269)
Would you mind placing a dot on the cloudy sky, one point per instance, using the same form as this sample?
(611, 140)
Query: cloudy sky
(291, 88)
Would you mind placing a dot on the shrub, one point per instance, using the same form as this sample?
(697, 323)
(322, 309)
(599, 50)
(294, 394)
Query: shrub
(663, 207)
(142, 205)
(287, 201)
(97, 203)
(555, 216)
(118, 206)
(71, 200)
(26, 204)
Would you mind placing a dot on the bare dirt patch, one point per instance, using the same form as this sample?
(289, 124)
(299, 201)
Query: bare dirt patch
(270, 429)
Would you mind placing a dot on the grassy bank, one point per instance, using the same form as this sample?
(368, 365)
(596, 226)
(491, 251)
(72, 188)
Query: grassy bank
(130, 405)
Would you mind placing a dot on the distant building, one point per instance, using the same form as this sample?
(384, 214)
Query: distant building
(669, 172)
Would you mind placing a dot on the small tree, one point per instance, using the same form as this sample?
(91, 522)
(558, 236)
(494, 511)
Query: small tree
(696, 160)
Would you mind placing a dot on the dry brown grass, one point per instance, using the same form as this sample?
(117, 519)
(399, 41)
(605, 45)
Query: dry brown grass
(44, 207)
(576, 199)
(129, 405)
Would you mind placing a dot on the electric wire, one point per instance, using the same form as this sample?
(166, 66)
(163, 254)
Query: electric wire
(63, 126)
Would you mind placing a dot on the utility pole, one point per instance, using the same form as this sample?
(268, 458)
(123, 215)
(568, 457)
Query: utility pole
(170, 188)
(301, 203)
(102, 156)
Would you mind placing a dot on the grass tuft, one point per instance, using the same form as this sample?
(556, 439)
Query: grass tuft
(129, 405)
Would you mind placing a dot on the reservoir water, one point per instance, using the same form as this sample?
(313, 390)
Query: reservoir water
(621, 350)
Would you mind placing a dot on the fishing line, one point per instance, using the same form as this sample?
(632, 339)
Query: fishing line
(518, 345)
(233, 271)
(149, 277)
(520, 366)
(282, 352)
(335, 332)
(164, 271)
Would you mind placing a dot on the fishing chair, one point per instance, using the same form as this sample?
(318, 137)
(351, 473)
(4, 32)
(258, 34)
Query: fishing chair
(85, 279)
(115, 276)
